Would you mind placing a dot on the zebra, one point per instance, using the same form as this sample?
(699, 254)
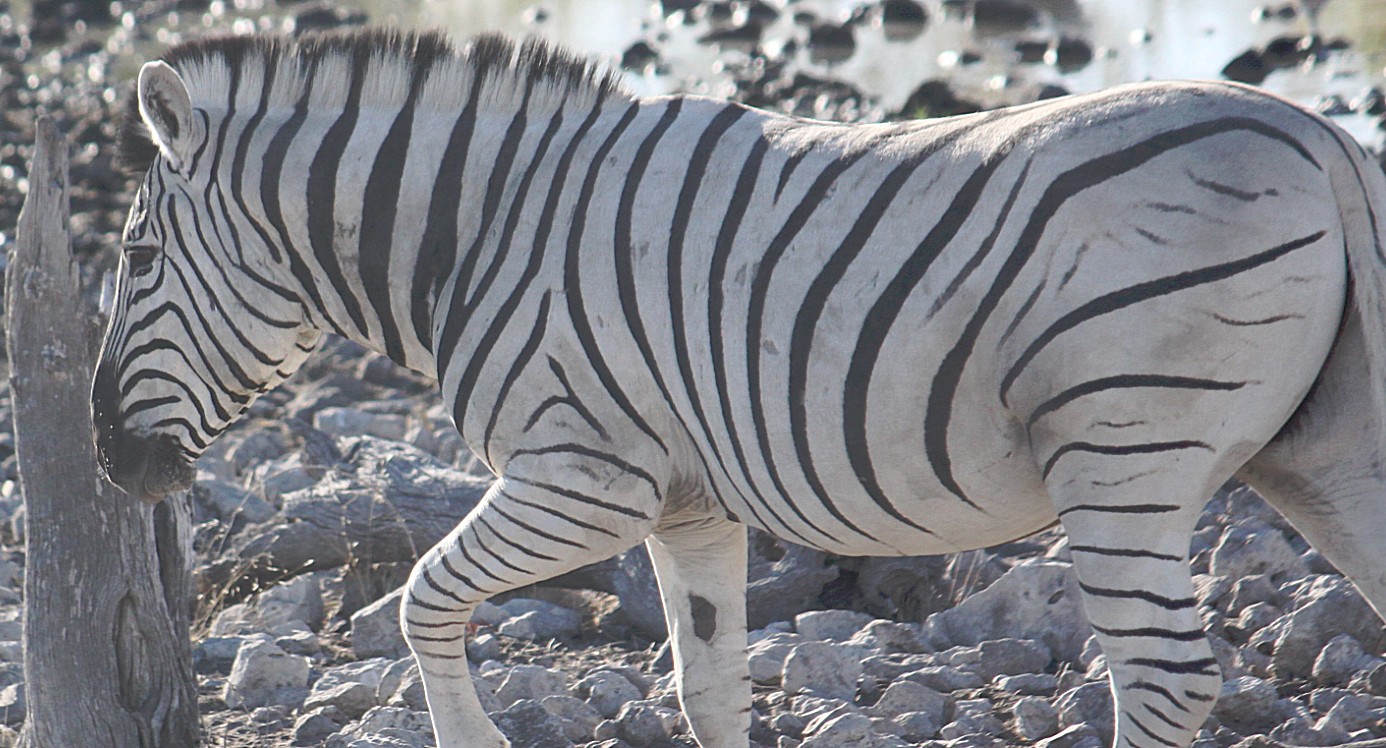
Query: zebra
(665, 319)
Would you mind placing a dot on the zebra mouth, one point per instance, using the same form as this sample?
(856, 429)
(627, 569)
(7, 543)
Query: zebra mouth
(148, 468)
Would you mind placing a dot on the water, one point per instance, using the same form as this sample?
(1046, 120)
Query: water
(1132, 40)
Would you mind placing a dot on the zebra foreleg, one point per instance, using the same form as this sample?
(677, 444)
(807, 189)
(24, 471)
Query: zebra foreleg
(1130, 552)
(701, 568)
(521, 533)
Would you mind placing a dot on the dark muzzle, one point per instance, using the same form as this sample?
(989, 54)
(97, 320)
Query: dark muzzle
(148, 467)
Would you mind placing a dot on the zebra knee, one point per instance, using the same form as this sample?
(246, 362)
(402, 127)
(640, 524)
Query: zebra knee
(434, 616)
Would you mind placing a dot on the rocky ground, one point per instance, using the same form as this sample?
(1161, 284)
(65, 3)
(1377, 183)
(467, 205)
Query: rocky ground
(310, 513)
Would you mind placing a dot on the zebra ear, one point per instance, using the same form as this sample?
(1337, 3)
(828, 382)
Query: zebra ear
(166, 111)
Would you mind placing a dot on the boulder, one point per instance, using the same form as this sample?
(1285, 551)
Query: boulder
(1036, 599)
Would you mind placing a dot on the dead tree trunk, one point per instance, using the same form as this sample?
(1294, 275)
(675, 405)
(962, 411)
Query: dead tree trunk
(105, 664)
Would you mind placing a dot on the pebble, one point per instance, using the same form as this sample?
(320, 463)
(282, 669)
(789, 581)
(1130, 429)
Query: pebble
(262, 673)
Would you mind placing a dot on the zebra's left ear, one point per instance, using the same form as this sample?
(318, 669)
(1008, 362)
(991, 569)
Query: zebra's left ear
(166, 111)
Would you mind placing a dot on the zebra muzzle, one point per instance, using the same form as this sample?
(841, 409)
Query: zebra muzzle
(149, 468)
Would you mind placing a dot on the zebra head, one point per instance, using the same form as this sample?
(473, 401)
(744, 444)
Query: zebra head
(203, 319)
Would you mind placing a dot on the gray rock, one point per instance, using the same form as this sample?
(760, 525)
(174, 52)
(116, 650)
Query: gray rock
(299, 643)
(830, 625)
(1352, 713)
(579, 717)
(1000, 657)
(1091, 705)
(1253, 547)
(1339, 660)
(822, 668)
(785, 579)
(841, 731)
(282, 475)
(550, 622)
(261, 674)
(352, 699)
(1247, 701)
(645, 723)
(13, 704)
(294, 605)
(972, 717)
(607, 691)
(1027, 684)
(1257, 616)
(528, 724)
(1035, 718)
(890, 637)
(375, 630)
(1252, 590)
(1036, 599)
(313, 727)
(903, 697)
(344, 422)
(229, 502)
(945, 679)
(1077, 736)
(215, 654)
(766, 656)
(483, 647)
(531, 682)
(912, 726)
(1326, 606)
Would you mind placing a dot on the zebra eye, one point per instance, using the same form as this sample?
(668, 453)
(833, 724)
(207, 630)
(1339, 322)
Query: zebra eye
(141, 257)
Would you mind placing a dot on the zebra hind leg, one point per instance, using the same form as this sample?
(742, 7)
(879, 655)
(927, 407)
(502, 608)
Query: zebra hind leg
(1129, 537)
(520, 534)
(701, 568)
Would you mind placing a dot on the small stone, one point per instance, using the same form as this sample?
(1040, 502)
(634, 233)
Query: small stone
(912, 726)
(1247, 701)
(311, 728)
(527, 723)
(531, 682)
(908, 696)
(1035, 718)
(830, 625)
(766, 656)
(945, 679)
(842, 731)
(260, 672)
(890, 637)
(1091, 705)
(1326, 606)
(1027, 684)
(824, 669)
(579, 717)
(375, 630)
(13, 704)
(483, 647)
(972, 717)
(607, 692)
(1077, 736)
(1339, 660)
(299, 643)
(644, 723)
(352, 698)
(215, 654)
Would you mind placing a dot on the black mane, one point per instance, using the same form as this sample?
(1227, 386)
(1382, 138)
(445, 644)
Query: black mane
(534, 59)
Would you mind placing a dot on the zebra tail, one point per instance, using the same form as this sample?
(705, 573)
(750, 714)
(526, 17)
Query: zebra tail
(1360, 186)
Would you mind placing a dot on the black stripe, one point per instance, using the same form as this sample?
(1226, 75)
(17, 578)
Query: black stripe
(1163, 717)
(693, 180)
(1122, 508)
(1066, 185)
(1125, 297)
(516, 368)
(438, 248)
(1155, 688)
(466, 554)
(1168, 603)
(379, 206)
(806, 322)
(570, 519)
(587, 451)
(1125, 381)
(573, 282)
(457, 317)
(583, 498)
(755, 318)
(502, 560)
(1124, 552)
(1149, 733)
(717, 274)
(1201, 666)
(527, 527)
(1154, 632)
(322, 197)
(243, 147)
(1121, 450)
(886, 310)
(517, 546)
(447, 565)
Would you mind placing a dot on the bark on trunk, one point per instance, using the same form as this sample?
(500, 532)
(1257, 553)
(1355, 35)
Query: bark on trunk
(107, 660)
